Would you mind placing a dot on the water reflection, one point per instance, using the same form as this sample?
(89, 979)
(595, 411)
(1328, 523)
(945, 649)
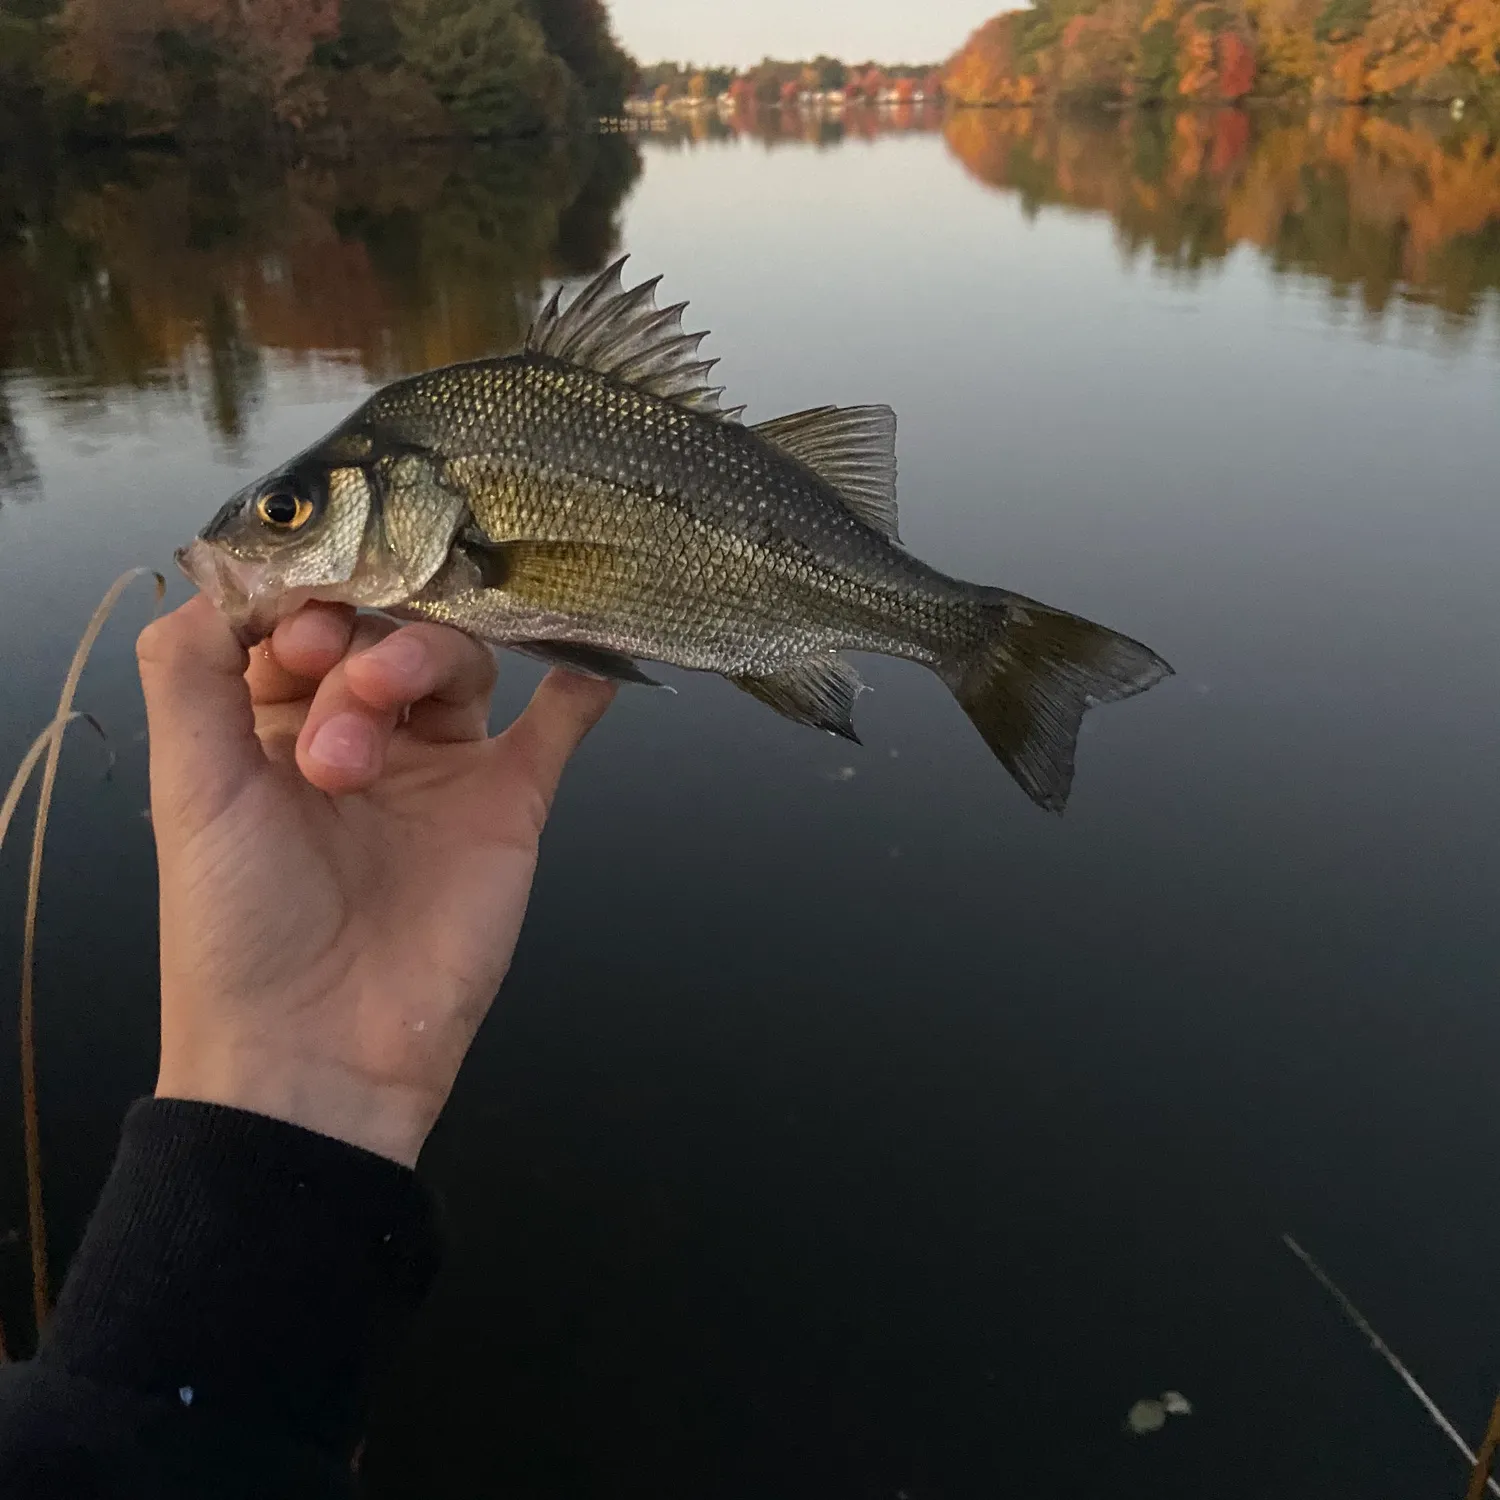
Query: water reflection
(1378, 208)
(783, 127)
(18, 472)
(157, 272)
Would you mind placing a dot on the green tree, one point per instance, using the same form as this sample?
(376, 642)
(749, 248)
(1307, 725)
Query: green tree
(578, 32)
(487, 61)
(831, 72)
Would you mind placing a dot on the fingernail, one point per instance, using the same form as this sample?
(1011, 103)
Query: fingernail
(345, 743)
(401, 655)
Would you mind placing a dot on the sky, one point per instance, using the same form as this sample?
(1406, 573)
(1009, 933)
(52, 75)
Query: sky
(743, 31)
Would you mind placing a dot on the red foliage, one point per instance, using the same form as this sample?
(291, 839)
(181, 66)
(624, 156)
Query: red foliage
(1236, 66)
(1231, 141)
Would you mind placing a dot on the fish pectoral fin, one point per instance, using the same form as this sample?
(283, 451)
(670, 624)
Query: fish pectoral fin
(519, 566)
(853, 448)
(817, 690)
(590, 661)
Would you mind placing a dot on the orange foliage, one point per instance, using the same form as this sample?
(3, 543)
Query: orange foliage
(986, 70)
(1226, 49)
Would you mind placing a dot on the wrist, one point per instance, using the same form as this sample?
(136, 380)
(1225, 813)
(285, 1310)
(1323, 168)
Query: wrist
(387, 1119)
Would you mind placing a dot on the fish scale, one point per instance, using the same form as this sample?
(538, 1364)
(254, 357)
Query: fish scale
(776, 565)
(588, 501)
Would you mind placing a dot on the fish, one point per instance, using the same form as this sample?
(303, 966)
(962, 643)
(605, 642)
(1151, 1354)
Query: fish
(589, 500)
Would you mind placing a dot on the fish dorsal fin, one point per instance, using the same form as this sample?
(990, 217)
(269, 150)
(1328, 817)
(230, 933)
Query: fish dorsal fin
(625, 335)
(853, 448)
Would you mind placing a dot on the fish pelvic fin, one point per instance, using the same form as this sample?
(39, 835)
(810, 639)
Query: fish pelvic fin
(1028, 686)
(587, 661)
(818, 691)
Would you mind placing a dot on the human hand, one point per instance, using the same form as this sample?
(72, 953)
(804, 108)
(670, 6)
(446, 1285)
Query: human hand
(344, 857)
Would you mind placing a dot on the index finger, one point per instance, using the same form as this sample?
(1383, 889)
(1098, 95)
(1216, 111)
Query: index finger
(303, 649)
(424, 661)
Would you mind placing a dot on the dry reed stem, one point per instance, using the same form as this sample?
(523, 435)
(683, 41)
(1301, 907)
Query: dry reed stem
(8, 807)
(51, 745)
(28, 765)
(1384, 1350)
(1488, 1449)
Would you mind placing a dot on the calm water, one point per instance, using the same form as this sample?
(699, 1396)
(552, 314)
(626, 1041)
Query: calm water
(848, 1128)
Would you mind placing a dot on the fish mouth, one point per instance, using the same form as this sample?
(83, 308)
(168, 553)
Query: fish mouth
(244, 592)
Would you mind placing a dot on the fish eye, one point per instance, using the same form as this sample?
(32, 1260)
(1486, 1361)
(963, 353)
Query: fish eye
(284, 508)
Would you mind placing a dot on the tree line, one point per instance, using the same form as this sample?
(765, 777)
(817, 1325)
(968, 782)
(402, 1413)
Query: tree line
(776, 81)
(1152, 51)
(131, 69)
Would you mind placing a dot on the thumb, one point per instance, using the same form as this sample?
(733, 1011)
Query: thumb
(202, 727)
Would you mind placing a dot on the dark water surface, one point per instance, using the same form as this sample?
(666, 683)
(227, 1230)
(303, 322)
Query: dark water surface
(848, 1128)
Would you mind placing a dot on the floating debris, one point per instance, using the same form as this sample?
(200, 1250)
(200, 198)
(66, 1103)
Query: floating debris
(1150, 1415)
(1146, 1416)
(844, 773)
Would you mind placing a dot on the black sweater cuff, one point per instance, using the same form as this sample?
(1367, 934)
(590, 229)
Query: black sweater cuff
(246, 1266)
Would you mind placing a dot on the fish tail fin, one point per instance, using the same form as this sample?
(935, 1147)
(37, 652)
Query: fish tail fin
(1028, 685)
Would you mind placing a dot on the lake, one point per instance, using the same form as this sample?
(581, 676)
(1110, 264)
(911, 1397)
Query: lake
(849, 1128)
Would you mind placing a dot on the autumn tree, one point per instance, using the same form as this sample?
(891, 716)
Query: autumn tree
(987, 70)
(1222, 50)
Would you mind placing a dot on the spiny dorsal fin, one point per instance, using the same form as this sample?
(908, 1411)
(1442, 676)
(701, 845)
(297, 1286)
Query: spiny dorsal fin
(625, 335)
(853, 448)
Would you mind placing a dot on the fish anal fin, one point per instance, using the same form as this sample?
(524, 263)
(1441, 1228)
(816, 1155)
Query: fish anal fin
(589, 661)
(815, 690)
(623, 334)
(852, 448)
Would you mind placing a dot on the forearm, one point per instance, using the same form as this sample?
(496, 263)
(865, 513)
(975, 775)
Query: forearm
(237, 1289)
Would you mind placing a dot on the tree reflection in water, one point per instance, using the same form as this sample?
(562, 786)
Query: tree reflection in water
(1377, 208)
(154, 271)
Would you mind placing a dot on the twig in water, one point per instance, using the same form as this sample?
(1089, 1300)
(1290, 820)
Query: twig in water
(1486, 1460)
(1383, 1349)
(50, 745)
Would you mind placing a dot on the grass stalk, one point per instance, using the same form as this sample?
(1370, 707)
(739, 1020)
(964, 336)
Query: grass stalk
(29, 764)
(1488, 1450)
(48, 749)
(1482, 1480)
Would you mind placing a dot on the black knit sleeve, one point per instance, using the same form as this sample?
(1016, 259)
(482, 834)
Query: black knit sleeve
(237, 1288)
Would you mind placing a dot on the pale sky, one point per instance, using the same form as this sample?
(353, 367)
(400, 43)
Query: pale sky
(743, 31)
